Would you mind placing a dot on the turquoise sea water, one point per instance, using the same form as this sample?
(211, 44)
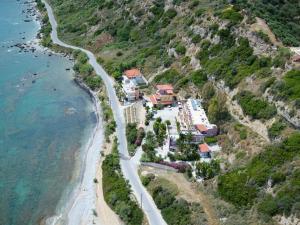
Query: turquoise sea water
(45, 119)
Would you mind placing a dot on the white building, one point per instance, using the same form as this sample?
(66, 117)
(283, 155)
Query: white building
(193, 119)
(130, 89)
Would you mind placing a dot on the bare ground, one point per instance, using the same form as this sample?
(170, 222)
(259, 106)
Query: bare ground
(263, 26)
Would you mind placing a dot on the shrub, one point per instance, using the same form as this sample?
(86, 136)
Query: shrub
(116, 190)
(180, 49)
(241, 186)
(169, 76)
(275, 130)
(207, 170)
(254, 106)
(232, 15)
(94, 82)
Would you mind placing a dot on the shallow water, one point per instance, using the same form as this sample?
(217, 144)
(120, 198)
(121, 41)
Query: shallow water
(45, 119)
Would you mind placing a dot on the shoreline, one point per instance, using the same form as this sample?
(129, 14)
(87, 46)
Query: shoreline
(82, 197)
(128, 169)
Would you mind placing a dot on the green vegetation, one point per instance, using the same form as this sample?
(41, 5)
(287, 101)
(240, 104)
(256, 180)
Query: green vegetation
(180, 49)
(229, 61)
(217, 111)
(276, 129)
(208, 170)
(107, 115)
(134, 137)
(242, 186)
(186, 151)
(148, 147)
(255, 107)
(160, 130)
(288, 88)
(281, 16)
(263, 36)
(85, 71)
(170, 76)
(232, 15)
(116, 190)
(175, 210)
(282, 56)
(292, 84)
(242, 130)
(46, 26)
(210, 140)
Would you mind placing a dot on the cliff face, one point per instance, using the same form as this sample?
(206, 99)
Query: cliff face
(232, 55)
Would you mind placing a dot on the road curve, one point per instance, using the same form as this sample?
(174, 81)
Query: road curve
(128, 168)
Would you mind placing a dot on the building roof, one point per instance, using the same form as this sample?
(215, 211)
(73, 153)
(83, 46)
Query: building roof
(153, 99)
(164, 87)
(132, 73)
(203, 148)
(201, 127)
(198, 115)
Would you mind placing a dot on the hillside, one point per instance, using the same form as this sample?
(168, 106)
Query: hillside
(236, 57)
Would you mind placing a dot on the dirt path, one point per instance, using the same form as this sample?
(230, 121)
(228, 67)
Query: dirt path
(263, 26)
(188, 191)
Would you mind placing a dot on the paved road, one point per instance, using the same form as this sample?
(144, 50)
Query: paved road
(128, 168)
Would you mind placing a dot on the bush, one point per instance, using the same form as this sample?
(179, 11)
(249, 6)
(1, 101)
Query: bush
(117, 192)
(198, 78)
(180, 49)
(94, 82)
(169, 76)
(276, 129)
(232, 15)
(241, 186)
(207, 170)
(254, 106)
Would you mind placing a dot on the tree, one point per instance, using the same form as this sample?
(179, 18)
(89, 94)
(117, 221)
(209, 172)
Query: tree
(207, 170)
(217, 110)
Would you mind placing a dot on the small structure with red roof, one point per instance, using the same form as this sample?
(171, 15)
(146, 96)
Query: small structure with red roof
(204, 151)
(132, 73)
(164, 95)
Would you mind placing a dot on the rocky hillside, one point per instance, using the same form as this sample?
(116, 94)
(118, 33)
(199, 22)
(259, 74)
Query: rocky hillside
(235, 56)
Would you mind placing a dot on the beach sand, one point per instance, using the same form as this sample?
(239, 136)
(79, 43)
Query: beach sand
(106, 214)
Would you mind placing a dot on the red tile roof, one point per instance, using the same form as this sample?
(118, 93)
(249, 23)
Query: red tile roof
(153, 99)
(203, 148)
(164, 87)
(201, 127)
(132, 73)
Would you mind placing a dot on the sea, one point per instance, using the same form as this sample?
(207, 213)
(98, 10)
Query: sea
(45, 121)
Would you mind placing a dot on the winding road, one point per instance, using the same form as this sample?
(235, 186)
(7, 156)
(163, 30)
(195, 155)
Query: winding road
(128, 167)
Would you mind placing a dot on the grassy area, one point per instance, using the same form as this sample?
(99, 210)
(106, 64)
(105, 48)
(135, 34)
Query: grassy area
(117, 191)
